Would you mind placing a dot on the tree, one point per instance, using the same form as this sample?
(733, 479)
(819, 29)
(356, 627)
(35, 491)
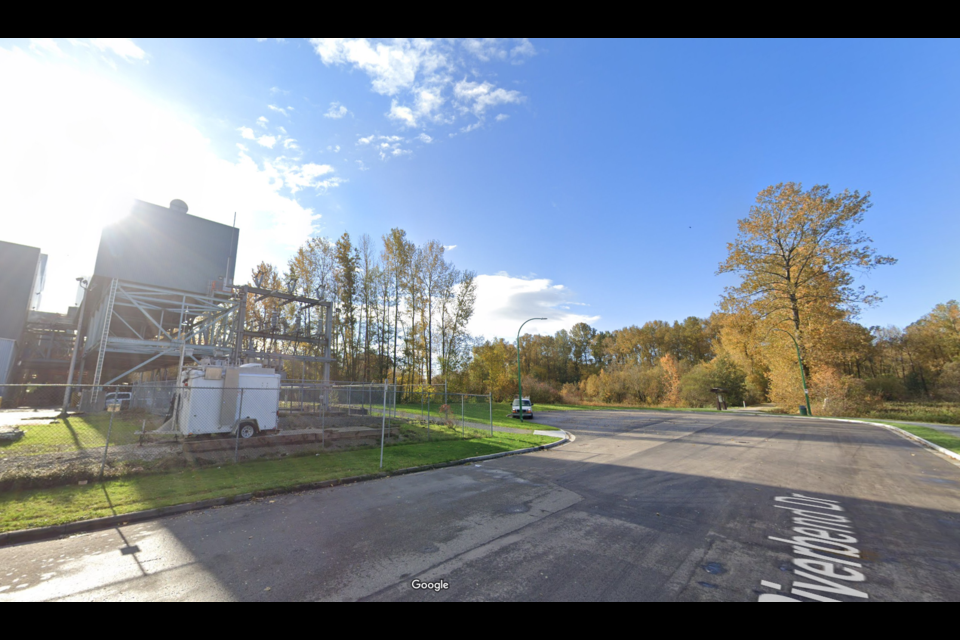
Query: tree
(346, 289)
(795, 253)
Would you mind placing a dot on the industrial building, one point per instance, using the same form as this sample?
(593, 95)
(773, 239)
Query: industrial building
(22, 276)
(162, 296)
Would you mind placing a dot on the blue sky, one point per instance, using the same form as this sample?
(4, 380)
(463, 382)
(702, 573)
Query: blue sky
(583, 180)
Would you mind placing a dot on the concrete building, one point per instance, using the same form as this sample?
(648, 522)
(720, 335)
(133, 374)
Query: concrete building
(22, 274)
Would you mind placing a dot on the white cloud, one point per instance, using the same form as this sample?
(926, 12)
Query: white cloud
(477, 97)
(449, 247)
(362, 166)
(86, 145)
(391, 66)
(267, 141)
(262, 122)
(504, 303)
(123, 47)
(247, 133)
(290, 143)
(280, 110)
(501, 117)
(307, 175)
(282, 130)
(524, 48)
(471, 127)
(418, 74)
(424, 138)
(403, 115)
(334, 148)
(336, 111)
(386, 146)
(45, 45)
(487, 49)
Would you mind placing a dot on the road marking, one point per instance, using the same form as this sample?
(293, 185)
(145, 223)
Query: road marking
(823, 552)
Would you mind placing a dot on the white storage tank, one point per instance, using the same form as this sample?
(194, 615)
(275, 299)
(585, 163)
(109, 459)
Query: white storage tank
(218, 399)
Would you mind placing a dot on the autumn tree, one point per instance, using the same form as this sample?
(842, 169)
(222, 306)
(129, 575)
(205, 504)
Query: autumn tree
(796, 254)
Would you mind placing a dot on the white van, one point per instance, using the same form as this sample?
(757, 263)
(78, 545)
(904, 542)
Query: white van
(527, 409)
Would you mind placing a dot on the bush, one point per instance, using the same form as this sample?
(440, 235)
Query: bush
(540, 392)
(570, 393)
(838, 395)
(887, 387)
(948, 386)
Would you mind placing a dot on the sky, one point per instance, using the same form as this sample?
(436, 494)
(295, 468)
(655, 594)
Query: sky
(592, 181)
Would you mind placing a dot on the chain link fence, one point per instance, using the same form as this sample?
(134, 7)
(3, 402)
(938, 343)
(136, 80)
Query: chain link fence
(115, 431)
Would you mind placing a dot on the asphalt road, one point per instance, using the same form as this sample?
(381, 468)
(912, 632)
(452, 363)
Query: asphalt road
(642, 506)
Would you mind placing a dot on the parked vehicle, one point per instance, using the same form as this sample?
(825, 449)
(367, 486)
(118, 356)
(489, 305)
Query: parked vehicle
(114, 398)
(227, 400)
(527, 409)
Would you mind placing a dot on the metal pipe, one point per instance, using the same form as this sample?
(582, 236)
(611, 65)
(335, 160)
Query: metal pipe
(383, 422)
(76, 347)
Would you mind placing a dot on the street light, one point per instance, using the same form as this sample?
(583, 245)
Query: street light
(803, 377)
(519, 378)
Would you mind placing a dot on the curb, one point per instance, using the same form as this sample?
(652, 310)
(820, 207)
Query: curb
(97, 524)
(904, 434)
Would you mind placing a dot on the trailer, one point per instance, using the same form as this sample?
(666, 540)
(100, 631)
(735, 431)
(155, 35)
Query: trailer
(223, 399)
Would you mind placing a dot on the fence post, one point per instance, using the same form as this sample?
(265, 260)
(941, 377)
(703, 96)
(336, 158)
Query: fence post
(106, 445)
(236, 447)
(429, 396)
(324, 396)
(490, 397)
(462, 420)
(383, 422)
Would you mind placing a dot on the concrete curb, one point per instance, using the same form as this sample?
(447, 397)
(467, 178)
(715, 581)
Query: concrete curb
(97, 524)
(904, 434)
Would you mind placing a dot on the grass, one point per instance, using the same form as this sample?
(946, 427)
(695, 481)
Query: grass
(77, 433)
(44, 507)
(939, 438)
(938, 412)
(479, 413)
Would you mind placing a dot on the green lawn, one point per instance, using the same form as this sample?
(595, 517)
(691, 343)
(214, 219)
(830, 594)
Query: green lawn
(43, 507)
(79, 432)
(478, 413)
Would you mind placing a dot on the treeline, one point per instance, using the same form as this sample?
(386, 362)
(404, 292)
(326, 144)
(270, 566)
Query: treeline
(400, 310)
(789, 320)
(677, 364)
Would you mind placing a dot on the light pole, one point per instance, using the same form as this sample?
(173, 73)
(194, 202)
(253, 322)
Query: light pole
(519, 377)
(803, 377)
(76, 346)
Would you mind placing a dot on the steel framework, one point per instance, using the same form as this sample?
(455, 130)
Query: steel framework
(137, 325)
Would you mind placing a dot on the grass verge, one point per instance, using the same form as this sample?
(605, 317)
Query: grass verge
(45, 507)
(479, 414)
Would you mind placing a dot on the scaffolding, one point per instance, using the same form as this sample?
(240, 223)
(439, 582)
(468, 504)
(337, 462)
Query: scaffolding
(138, 327)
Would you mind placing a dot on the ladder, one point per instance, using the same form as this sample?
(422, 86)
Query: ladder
(102, 351)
